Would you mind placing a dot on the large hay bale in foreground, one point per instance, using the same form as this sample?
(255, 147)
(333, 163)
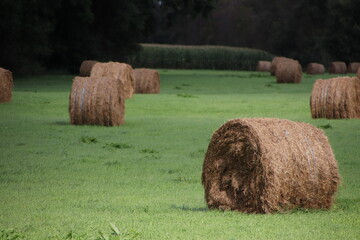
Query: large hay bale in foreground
(96, 101)
(263, 66)
(120, 71)
(353, 67)
(6, 85)
(147, 81)
(275, 62)
(337, 68)
(315, 68)
(288, 71)
(269, 165)
(85, 68)
(336, 98)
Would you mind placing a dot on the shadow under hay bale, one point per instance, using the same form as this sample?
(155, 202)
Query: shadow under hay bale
(85, 68)
(315, 68)
(353, 67)
(288, 71)
(120, 71)
(96, 101)
(269, 165)
(337, 68)
(275, 62)
(336, 98)
(263, 66)
(147, 81)
(6, 85)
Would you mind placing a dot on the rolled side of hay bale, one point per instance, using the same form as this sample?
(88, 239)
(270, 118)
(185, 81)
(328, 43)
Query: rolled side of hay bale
(269, 165)
(353, 67)
(120, 71)
(6, 85)
(315, 68)
(288, 71)
(85, 68)
(336, 98)
(275, 62)
(337, 68)
(147, 81)
(96, 101)
(263, 66)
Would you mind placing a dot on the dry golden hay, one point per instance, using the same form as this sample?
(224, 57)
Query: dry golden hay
(353, 67)
(121, 71)
(315, 68)
(6, 85)
(147, 81)
(85, 68)
(275, 62)
(263, 66)
(288, 71)
(337, 68)
(269, 165)
(336, 98)
(96, 101)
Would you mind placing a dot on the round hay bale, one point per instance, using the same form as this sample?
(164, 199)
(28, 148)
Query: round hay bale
(263, 66)
(96, 101)
(337, 68)
(6, 85)
(336, 98)
(353, 67)
(120, 71)
(269, 165)
(315, 68)
(288, 71)
(85, 68)
(147, 81)
(275, 62)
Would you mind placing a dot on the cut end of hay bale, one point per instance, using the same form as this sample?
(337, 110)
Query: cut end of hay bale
(315, 68)
(120, 71)
(147, 81)
(288, 71)
(336, 98)
(6, 85)
(275, 62)
(269, 165)
(85, 68)
(337, 68)
(96, 101)
(353, 67)
(263, 66)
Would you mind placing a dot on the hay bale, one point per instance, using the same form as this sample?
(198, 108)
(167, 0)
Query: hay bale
(288, 71)
(120, 71)
(263, 66)
(315, 68)
(96, 101)
(337, 68)
(85, 68)
(275, 62)
(147, 81)
(336, 98)
(6, 85)
(353, 67)
(358, 73)
(269, 165)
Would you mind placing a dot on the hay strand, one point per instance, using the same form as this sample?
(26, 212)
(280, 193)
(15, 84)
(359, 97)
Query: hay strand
(288, 71)
(353, 67)
(6, 85)
(315, 68)
(263, 66)
(147, 81)
(269, 165)
(85, 68)
(337, 68)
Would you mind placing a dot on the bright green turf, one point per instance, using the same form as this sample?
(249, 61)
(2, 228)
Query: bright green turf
(59, 180)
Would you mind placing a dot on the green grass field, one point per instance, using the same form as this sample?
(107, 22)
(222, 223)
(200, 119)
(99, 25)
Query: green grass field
(59, 181)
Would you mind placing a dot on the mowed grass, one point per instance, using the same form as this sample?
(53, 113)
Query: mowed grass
(59, 181)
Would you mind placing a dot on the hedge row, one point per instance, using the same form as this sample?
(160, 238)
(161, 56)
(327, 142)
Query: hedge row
(198, 57)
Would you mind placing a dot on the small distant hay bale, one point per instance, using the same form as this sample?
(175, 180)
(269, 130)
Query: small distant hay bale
(336, 98)
(315, 68)
(85, 68)
(6, 85)
(337, 68)
(288, 71)
(96, 101)
(147, 81)
(269, 165)
(275, 62)
(263, 66)
(353, 67)
(120, 71)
